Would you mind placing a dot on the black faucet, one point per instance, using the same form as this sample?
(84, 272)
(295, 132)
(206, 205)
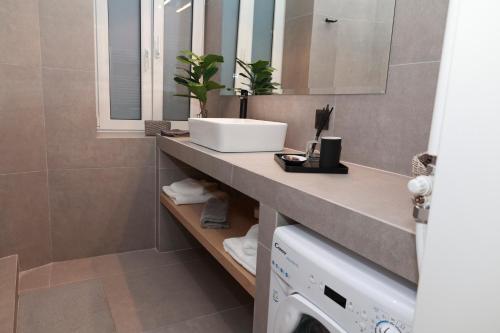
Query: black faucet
(243, 103)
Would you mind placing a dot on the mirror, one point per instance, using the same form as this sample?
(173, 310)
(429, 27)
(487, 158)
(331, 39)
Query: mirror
(314, 46)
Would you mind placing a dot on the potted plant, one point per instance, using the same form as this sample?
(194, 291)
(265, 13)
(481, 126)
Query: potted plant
(259, 75)
(197, 77)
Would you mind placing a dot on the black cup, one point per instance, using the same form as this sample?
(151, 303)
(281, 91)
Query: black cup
(331, 147)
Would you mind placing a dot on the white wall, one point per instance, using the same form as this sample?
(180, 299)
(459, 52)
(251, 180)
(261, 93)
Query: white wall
(460, 280)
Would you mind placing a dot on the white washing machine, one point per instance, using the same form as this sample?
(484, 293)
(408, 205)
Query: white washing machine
(319, 287)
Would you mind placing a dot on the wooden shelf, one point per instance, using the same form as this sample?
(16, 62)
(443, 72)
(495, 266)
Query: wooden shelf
(240, 217)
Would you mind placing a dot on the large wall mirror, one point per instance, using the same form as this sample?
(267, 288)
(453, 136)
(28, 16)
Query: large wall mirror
(315, 46)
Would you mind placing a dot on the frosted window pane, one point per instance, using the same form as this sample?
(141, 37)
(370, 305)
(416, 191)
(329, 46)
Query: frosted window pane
(177, 37)
(124, 19)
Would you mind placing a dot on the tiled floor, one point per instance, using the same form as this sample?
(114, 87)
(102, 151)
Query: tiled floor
(143, 291)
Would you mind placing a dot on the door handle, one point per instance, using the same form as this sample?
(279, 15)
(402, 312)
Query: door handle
(157, 47)
(146, 60)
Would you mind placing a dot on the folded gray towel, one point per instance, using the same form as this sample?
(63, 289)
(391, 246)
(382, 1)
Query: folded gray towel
(214, 214)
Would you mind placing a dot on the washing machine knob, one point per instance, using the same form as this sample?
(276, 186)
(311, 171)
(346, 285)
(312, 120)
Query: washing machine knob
(386, 327)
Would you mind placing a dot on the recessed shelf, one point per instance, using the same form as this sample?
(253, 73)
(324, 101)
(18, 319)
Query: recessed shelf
(241, 219)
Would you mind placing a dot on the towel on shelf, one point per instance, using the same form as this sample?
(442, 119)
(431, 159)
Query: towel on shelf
(250, 242)
(190, 186)
(214, 214)
(234, 246)
(190, 191)
(183, 199)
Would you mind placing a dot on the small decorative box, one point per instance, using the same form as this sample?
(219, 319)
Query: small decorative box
(153, 127)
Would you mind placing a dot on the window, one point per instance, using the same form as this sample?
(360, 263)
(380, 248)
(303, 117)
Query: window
(136, 45)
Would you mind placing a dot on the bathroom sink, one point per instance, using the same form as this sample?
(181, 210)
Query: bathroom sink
(237, 135)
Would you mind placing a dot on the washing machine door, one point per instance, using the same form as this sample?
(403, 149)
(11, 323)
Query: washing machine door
(297, 315)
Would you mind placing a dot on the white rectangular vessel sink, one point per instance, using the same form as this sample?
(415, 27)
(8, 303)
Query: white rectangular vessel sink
(234, 135)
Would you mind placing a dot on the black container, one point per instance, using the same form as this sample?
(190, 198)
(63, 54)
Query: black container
(330, 152)
(309, 166)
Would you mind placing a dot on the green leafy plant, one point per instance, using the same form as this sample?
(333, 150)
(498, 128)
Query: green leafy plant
(197, 75)
(260, 77)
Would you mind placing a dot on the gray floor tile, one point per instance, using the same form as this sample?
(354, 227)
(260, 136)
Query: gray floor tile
(166, 295)
(89, 268)
(238, 320)
(74, 308)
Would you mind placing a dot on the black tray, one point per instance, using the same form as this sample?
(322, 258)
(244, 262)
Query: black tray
(308, 166)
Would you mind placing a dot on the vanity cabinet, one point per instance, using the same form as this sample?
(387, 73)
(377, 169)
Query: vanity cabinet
(367, 211)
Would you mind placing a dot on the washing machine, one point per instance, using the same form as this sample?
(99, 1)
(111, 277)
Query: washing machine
(319, 287)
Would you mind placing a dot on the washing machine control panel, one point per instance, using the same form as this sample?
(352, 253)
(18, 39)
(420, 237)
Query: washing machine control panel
(375, 320)
(386, 327)
(356, 297)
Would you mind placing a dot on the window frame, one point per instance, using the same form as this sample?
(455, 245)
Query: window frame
(197, 46)
(152, 33)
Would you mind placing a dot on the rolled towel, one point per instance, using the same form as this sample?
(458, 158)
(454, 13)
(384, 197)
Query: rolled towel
(250, 241)
(182, 199)
(234, 246)
(214, 214)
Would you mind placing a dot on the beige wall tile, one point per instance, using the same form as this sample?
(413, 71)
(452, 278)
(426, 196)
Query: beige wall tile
(296, 49)
(69, 100)
(70, 105)
(385, 131)
(297, 8)
(99, 211)
(24, 218)
(20, 33)
(67, 34)
(418, 31)
(22, 136)
(101, 153)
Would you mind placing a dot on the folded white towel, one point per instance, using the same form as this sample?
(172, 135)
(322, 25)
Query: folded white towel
(236, 249)
(188, 186)
(182, 199)
(234, 246)
(250, 242)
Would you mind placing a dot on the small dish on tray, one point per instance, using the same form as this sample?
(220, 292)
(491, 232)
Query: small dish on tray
(291, 159)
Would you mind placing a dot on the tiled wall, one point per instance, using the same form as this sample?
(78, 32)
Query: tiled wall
(24, 203)
(63, 192)
(381, 131)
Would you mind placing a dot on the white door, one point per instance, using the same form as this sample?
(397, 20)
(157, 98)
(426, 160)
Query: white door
(459, 289)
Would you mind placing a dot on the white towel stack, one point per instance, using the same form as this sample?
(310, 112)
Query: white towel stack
(244, 249)
(189, 191)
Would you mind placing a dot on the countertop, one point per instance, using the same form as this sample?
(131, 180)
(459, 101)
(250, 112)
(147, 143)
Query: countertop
(367, 211)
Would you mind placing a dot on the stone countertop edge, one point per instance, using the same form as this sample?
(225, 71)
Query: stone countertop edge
(367, 211)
